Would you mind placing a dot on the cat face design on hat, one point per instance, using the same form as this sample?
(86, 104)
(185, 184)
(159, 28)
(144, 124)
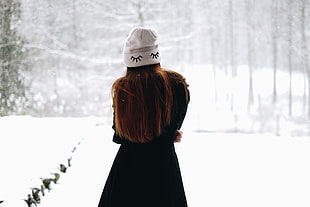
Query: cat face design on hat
(141, 48)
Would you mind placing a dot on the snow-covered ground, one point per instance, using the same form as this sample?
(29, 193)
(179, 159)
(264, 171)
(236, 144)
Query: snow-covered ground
(218, 169)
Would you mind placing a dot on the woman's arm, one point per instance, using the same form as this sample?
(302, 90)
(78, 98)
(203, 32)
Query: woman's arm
(178, 136)
(117, 139)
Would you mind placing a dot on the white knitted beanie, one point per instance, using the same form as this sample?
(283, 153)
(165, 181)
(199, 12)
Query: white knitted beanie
(141, 48)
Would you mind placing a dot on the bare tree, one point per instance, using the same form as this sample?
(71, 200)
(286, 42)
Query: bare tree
(290, 51)
(230, 33)
(275, 27)
(139, 9)
(74, 42)
(305, 52)
(12, 86)
(232, 39)
(249, 5)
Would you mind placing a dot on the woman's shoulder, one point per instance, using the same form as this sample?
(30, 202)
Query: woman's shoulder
(179, 83)
(175, 77)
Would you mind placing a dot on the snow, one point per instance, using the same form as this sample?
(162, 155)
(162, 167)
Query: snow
(220, 103)
(245, 170)
(32, 148)
(218, 169)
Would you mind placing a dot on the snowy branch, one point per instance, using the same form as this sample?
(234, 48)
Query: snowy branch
(68, 54)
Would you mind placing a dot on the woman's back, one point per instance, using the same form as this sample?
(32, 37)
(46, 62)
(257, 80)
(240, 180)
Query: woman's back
(145, 100)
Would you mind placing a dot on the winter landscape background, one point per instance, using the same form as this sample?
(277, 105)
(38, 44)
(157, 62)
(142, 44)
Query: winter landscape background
(247, 64)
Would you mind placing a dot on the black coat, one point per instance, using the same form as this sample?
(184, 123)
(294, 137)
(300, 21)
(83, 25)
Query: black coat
(148, 174)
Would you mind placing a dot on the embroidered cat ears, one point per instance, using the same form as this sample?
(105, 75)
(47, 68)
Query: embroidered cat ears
(139, 58)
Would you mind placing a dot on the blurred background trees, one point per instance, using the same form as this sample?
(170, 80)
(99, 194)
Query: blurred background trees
(59, 58)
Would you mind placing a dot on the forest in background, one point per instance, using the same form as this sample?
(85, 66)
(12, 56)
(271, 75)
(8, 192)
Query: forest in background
(59, 58)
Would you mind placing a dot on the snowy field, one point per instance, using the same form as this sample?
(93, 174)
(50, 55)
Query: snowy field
(219, 170)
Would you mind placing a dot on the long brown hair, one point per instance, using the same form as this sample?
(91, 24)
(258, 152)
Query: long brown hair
(142, 102)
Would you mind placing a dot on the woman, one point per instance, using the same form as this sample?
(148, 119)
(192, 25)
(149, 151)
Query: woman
(149, 104)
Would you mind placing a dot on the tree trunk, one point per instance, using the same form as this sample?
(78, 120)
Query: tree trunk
(212, 57)
(305, 55)
(140, 13)
(231, 51)
(250, 50)
(231, 33)
(290, 55)
(52, 63)
(5, 56)
(226, 51)
(275, 49)
(74, 42)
